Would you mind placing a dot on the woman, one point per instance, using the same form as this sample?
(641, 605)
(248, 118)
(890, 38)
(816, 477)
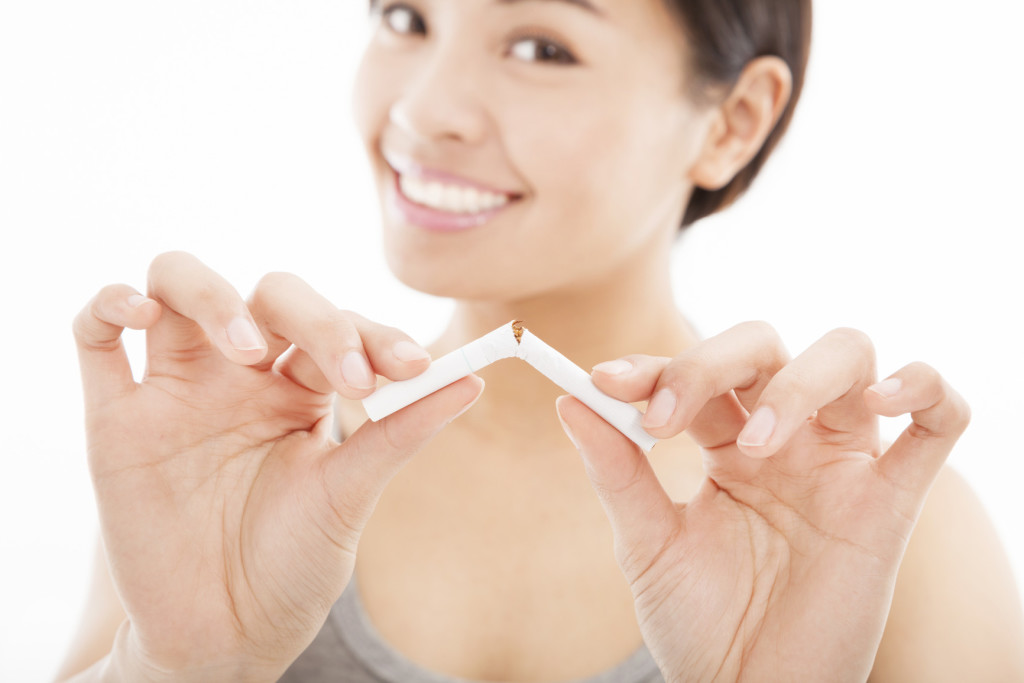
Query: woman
(590, 131)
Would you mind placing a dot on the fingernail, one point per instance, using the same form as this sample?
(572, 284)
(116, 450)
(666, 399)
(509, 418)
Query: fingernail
(614, 367)
(660, 409)
(407, 352)
(243, 335)
(136, 300)
(356, 371)
(758, 429)
(565, 427)
(888, 388)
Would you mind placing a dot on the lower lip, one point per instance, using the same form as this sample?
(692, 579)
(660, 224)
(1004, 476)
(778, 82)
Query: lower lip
(434, 219)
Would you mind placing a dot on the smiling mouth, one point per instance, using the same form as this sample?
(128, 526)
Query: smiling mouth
(451, 198)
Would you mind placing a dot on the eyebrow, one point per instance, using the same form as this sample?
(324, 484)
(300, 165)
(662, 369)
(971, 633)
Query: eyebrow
(582, 4)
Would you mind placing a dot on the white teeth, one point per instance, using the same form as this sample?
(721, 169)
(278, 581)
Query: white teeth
(434, 194)
(451, 198)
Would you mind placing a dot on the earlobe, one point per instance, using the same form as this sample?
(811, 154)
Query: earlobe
(709, 171)
(742, 122)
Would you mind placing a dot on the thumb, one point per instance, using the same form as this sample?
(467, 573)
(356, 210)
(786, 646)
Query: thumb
(356, 472)
(642, 515)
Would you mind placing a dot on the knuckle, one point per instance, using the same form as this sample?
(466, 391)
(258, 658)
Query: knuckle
(110, 292)
(270, 285)
(957, 413)
(84, 323)
(276, 279)
(770, 351)
(690, 373)
(760, 329)
(357, 319)
(90, 333)
(963, 412)
(855, 341)
(685, 368)
(960, 418)
(926, 375)
(166, 260)
(929, 381)
(852, 337)
(335, 324)
(953, 409)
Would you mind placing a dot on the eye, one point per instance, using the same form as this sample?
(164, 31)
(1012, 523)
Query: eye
(403, 19)
(541, 49)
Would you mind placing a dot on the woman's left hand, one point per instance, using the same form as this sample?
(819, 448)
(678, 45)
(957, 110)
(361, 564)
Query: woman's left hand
(782, 566)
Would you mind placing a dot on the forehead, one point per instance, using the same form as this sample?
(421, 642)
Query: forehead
(586, 5)
(598, 8)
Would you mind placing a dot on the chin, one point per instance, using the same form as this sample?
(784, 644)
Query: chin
(466, 279)
(439, 276)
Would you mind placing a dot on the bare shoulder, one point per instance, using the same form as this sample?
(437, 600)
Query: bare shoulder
(956, 613)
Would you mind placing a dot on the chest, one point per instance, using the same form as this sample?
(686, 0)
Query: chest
(490, 572)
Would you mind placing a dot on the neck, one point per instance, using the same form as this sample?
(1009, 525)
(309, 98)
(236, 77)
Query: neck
(628, 312)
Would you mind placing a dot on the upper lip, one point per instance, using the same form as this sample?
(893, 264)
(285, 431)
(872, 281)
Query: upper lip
(404, 165)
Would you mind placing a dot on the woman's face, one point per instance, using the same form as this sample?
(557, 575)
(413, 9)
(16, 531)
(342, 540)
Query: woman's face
(568, 117)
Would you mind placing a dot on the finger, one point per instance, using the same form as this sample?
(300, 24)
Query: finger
(635, 378)
(703, 389)
(347, 348)
(940, 415)
(356, 472)
(203, 308)
(393, 353)
(826, 380)
(642, 515)
(297, 366)
(630, 378)
(97, 330)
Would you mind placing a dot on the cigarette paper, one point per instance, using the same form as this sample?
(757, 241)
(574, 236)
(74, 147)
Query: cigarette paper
(575, 380)
(451, 367)
(510, 341)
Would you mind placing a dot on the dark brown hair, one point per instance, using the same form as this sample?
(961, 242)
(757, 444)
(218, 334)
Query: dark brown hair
(725, 35)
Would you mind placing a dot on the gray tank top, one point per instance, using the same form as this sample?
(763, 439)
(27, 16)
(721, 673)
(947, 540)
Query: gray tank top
(349, 650)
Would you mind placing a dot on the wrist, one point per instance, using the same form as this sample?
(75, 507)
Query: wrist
(127, 663)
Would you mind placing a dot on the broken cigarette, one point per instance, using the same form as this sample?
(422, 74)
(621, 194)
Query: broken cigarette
(510, 341)
(451, 367)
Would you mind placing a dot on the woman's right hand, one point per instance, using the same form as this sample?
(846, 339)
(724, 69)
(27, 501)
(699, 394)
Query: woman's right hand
(229, 516)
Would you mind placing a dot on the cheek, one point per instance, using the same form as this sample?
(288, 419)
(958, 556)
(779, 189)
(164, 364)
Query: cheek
(597, 176)
(565, 153)
(371, 93)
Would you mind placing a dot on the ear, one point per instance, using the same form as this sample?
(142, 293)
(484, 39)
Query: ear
(742, 122)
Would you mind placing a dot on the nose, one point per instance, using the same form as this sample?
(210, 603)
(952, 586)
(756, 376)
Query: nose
(442, 101)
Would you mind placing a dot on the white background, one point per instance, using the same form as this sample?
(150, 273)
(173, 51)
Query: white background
(223, 128)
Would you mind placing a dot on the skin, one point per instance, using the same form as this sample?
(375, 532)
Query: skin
(782, 554)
